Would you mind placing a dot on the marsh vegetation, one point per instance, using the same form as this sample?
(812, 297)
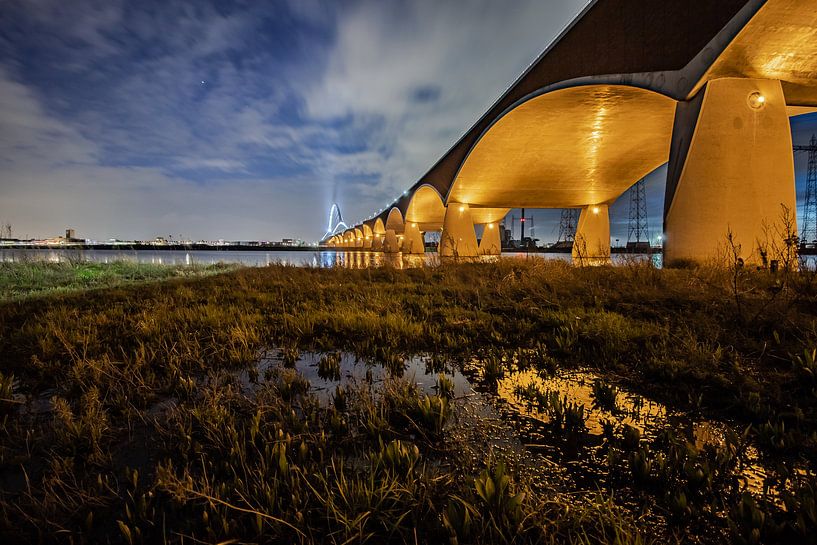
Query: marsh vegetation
(30, 278)
(512, 402)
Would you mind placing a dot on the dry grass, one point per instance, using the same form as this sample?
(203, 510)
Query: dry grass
(151, 438)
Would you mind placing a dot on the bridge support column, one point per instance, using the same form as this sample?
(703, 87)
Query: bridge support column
(731, 170)
(367, 242)
(458, 238)
(413, 240)
(377, 242)
(390, 244)
(490, 244)
(591, 245)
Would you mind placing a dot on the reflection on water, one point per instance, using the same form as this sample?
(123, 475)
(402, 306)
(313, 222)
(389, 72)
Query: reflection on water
(527, 393)
(523, 389)
(357, 259)
(354, 371)
(478, 426)
(363, 260)
(513, 418)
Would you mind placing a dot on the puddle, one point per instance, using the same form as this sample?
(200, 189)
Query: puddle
(516, 417)
(354, 371)
(477, 422)
(528, 393)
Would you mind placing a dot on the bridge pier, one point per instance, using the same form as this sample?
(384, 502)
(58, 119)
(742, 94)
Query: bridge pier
(490, 244)
(731, 170)
(458, 238)
(413, 240)
(367, 236)
(390, 243)
(377, 242)
(591, 245)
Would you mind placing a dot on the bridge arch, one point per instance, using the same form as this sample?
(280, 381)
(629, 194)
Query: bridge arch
(565, 148)
(368, 236)
(394, 221)
(379, 227)
(349, 238)
(426, 208)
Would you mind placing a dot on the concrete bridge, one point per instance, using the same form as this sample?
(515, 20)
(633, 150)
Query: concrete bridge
(630, 85)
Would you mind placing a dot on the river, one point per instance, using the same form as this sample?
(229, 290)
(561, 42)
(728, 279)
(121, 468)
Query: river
(261, 258)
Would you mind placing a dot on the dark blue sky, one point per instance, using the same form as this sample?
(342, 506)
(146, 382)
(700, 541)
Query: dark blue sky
(245, 119)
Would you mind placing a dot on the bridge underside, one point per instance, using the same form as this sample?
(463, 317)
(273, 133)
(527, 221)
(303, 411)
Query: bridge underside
(569, 148)
(778, 43)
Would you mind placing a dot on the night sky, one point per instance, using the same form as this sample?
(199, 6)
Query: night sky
(245, 120)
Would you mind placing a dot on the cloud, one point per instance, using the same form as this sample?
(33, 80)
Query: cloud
(223, 165)
(29, 136)
(420, 76)
(54, 177)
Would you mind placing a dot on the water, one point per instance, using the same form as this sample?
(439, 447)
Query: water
(170, 257)
(509, 417)
(259, 258)
(296, 258)
(519, 389)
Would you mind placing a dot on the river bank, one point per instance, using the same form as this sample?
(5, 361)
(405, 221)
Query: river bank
(520, 401)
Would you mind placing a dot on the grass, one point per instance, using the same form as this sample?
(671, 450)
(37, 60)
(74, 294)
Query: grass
(149, 436)
(20, 280)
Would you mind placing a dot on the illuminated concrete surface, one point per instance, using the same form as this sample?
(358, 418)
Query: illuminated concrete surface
(426, 209)
(568, 148)
(738, 171)
(490, 243)
(368, 236)
(778, 43)
(378, 234)
(458, 238)
(390, 243)
(379, 228)
(413, 239)
(627, 87)
(592, 240)
(394, 221)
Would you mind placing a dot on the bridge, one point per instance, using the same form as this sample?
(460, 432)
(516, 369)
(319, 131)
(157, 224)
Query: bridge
(705, 87)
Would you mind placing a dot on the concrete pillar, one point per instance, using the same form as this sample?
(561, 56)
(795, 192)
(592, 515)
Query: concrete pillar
(367, 242)
(458, 238)
(731, 170)
(591, 245)
(413, 240)
(390, 244)
(490, 244)
(377, 242)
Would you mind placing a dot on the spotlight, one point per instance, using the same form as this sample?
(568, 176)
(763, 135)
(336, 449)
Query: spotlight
(756, 100)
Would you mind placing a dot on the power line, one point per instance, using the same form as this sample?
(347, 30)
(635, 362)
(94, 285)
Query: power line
(638, 231)
(809, 231)
(567, 224)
